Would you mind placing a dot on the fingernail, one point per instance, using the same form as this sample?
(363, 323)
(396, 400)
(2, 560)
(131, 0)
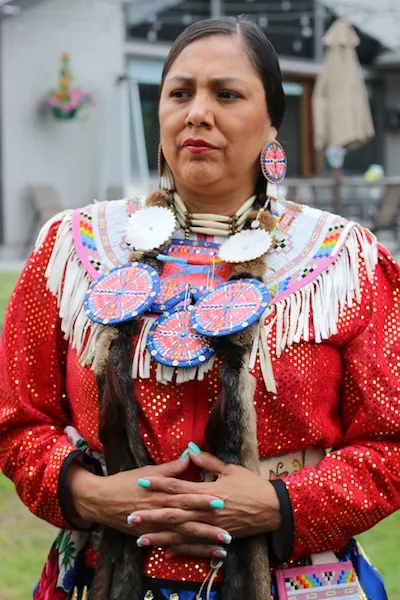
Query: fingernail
(217, 504)
(184, 454)
(133, 519)
(194, 448)
(169, 555)
(144, 483)
(220, 553)
(142, 541)
(225, 537)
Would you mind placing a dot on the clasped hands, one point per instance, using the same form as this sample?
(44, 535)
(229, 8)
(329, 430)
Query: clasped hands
(186, 517)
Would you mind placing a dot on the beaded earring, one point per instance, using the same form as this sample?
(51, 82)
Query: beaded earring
(273, 166)
(164, 172)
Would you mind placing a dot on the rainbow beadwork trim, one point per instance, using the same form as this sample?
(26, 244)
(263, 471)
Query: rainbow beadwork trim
(318, 582)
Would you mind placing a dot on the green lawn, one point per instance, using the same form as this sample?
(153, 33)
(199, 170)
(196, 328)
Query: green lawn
(7, 283)
(25, 540)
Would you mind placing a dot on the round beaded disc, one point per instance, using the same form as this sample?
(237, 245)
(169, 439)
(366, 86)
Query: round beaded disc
(274, 162)
(230, 308)
(173, 343)
(122, 294)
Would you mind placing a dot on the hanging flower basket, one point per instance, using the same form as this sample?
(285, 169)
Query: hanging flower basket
(66, 101)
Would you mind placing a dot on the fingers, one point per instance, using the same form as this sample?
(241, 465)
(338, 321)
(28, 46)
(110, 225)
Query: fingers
(209, 463)
(190, 532)
(163, 517)
(173, 468)
(169, 485)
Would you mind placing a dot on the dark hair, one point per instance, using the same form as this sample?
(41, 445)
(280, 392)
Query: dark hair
(259, 49)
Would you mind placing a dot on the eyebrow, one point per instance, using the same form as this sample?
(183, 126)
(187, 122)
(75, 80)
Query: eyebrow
(190, 80)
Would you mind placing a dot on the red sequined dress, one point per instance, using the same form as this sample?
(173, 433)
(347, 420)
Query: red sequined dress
(331, 339)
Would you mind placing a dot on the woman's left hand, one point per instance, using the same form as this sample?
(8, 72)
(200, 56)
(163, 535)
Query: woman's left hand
(250, 506)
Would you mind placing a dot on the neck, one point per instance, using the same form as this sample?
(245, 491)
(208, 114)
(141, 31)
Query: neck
(199, 201)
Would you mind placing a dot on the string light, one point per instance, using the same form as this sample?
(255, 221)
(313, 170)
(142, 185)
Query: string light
(307, 32)
(297, 45)
(152, 36)
(263, 21)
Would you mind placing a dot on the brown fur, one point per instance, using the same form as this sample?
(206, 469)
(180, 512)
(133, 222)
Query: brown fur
(106, 337)
(158, 197)
(267, 221)
(135, 256)
(253, 269)
(118, 571)
(233, 423)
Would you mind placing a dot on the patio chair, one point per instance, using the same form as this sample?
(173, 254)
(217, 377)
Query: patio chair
(46, 203)
(387, 218)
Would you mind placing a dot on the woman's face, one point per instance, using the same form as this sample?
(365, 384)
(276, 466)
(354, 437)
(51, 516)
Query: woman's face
(212, 95)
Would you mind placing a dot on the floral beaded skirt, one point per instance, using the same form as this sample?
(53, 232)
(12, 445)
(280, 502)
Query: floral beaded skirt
(77, 581)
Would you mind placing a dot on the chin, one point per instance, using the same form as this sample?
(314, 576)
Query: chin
(200, 175)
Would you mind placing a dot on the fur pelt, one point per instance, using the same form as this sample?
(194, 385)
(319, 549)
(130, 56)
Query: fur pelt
(106, 337)
(118, 571)
(233, 423)
(267, 221)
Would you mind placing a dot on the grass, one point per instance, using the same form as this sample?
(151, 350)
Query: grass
(25, 540)
(7, 283)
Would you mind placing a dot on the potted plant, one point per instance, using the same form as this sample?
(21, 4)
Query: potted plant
(66, 101)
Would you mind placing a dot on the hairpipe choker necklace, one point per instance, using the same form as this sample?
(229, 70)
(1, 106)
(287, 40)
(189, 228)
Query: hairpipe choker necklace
(211, 224)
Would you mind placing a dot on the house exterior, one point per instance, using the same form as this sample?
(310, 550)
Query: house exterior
(117, 49)
(37, 149)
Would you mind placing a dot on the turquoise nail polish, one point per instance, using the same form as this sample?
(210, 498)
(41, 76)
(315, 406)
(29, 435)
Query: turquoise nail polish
(225, 537)
(184, 454)
(142, 541)
(194, 448)
(221, 553)
(217, 504)
(132, 519)
(144, 483)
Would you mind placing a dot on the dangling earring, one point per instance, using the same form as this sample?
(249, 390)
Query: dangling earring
(274, 167)
(164, 172)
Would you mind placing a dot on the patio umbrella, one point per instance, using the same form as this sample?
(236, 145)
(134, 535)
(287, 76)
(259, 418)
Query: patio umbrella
(341, 113)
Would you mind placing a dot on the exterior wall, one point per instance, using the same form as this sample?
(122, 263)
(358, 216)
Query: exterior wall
(392, 150)
(36, 149)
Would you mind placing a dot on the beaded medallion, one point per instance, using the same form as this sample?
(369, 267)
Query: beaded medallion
(173, 343)
(230, 308)
(123, 294)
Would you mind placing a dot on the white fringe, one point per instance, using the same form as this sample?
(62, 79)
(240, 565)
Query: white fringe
(327, 295)
(141, 358)
(68, 281)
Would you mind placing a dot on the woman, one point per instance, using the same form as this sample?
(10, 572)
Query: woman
(203, 464)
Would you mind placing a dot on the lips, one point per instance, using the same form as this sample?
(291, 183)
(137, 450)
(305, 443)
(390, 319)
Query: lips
(197, 143)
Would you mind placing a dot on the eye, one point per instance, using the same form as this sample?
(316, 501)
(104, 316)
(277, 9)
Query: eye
(228, 95)
(179, 94)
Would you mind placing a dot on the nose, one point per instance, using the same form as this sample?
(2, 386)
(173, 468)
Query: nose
(200, 113)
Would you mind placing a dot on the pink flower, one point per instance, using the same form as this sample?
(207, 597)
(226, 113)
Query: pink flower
(47, 589)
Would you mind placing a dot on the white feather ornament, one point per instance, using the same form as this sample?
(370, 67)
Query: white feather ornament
(246, 245)
(150, 228)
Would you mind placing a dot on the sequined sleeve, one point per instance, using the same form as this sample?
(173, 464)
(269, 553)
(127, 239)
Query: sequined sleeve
(33, 407)
(358, 483)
